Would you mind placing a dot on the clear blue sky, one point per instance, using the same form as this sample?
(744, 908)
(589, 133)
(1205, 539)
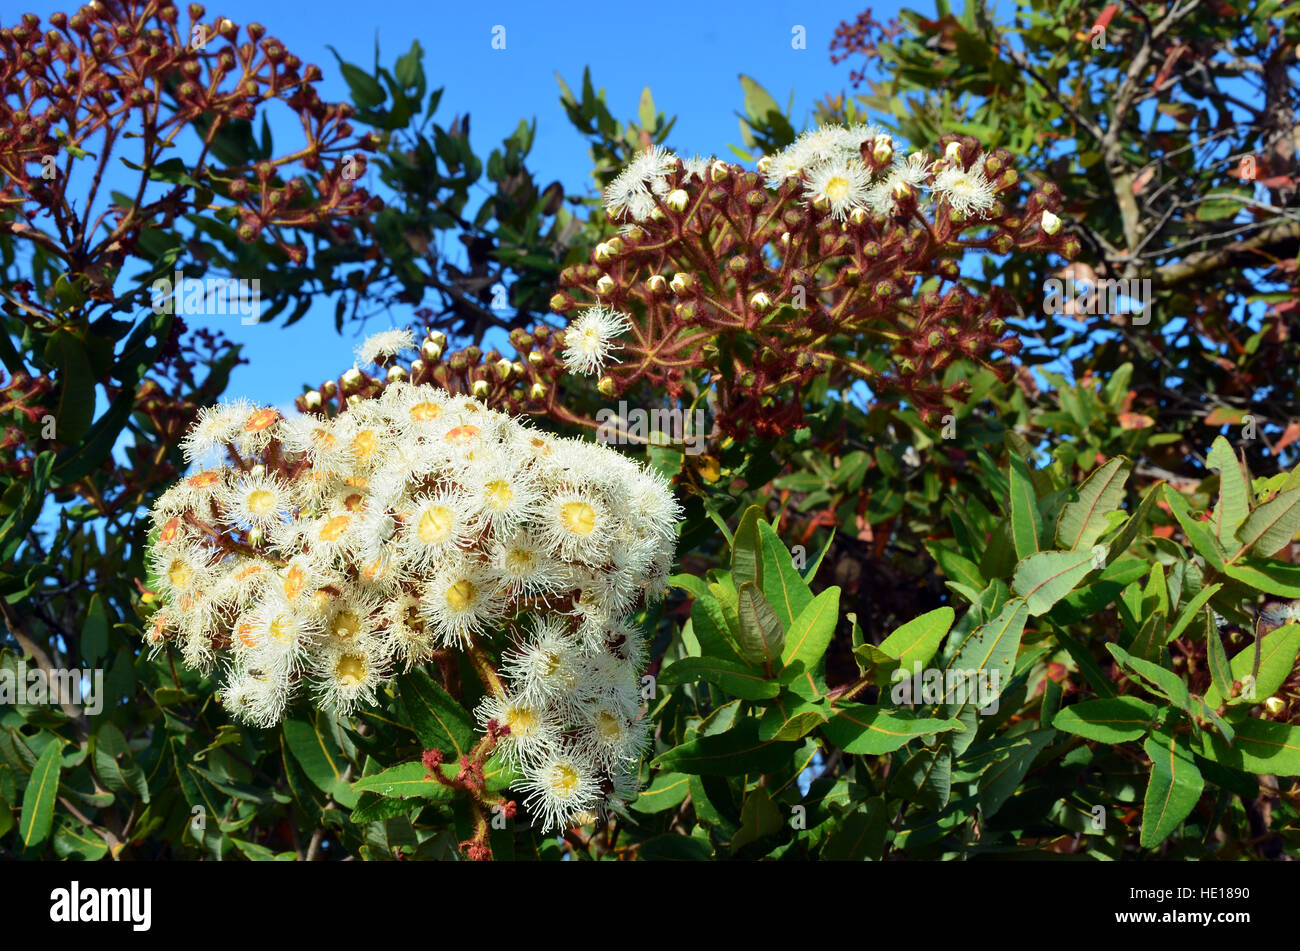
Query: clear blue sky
(690, 55)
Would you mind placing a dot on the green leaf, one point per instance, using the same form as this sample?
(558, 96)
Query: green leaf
(736, 679)
(761, 638)
(1277, 654)
(1047, 577)
(926, 777)
(38, 798)
(1108, 720)
(1191, 609)
(811, 630)
(1270, 527)
(1158, 680)
(1233, 504)
(1026, 523)
(1268, 575)
(746, 549)
(1081, 523)
(858, 728)
(1173, 790)
(665, 792)
(1001, 779)
(94, 632)
(759, 818)
(1261, 747)
(784, 589)
(406, 781)
(733, 753)
(992, 647)
(1220, 671)
(1198, 533)
(860, 835)
(319, 756)
(439, 721)
(789, 718)
(114, 764)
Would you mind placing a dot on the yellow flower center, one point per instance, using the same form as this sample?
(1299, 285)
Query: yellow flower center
(353, 501)
(837, 189)
(563, 780)
(350, 670)
(499, 494)
(203, 480)
(550, 663)
(579, 517)
(519, 561)
(435, 525)
(294, 582)
(260, 502)
(260, 420)
(425, 412)
(180, 574)
(608, 727)
(346, 625)
(324, 438)
(334, 528)
(521, 720)
(462, 595)
(279, 628)
(321, 599)
(463, 434)
(365, 444)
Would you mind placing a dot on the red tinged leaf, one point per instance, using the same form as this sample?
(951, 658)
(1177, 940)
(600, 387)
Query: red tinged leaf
(1289, 435)
(1135, 421)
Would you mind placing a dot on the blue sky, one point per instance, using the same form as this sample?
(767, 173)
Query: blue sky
(690, 55)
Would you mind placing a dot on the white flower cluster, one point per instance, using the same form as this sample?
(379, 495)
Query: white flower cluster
(829, 162)
(335, 552)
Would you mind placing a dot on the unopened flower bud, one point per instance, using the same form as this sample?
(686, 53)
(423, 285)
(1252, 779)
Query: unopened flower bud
(328, 389)
(677, 199)
(535, 358)
(431, 351)
(606, 386)
(821, 202)
(760, 302)
(605, 286)
(718, 171)
(858, 216)
(604, 253)
(882, 150)
(481, 389)
(739, 264)
(953, 152)
(311, 399)
(397, 375)
(503, 368)
(764, 164)
(681, 282)
(1051, 223)
(656, 284)
(538, 392)
(1275, 706)
(352, 379)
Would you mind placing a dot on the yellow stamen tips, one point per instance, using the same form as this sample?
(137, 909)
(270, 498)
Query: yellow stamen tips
(202, 480)
(180, 574)
(519, 560)
(425, 412)
(169, 530)
(499, 494)
(335, 528)
(608, 727)
(564, 780)
(356, 482)
(260, 502)
(245, 573)
(346, 625)
(521, 720)
(579, 517)
(463, 434)
(353, 502)
(321, 599)
(324, 438)
(247, 636)
(294, 582)
(374, 570)
(278, 629)
(350, 670)
(837, 189)
(462, 595)
(365, 444)
(540, 446)
(261, 420)
(435, 525)
(550, 663)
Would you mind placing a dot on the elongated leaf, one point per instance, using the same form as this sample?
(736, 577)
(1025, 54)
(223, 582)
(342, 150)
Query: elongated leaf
(1191, 609)
(1199, 534)
(926, 777)
(665, 792)
(860, 835)
(733, 677)
(1081, 523)
(811, 630)
(1173, 789)
(785, 590)
(319, 756)
(919, 638)
(1265, 574)
(1270, 527)
(406, 781)
(1109, 720)
(1220, 671)
(1157, 679)
(761, 637)
(38, 798)
(1001, 779)
(746, 549)
(1261, 746)
(439, 721)
(1047, 577)
(988, 655)
(1026, 523)
(733, 753)
(858, 728)
(1277, 655)
(1233, 504)
(789, 718)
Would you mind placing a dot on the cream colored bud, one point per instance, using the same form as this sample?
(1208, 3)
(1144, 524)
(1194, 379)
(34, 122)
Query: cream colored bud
(538, 392)
(681, 282)
(1275, 706)
(604, 253)
(677, 199)
(953, 152)
(354, 400)
(480, 389)
(503, 368)
(1051, 223)
(438, 337)
(821, 202)
(397, 375)
(719, 172)
(352, 379)
(605, 286)
(764, 164)
(882, 150)
(858, 216)
(431, 351)
(657, 214)
(535, 358)
(518, 368)
(760, 302)
(605, 386)
(312, 400)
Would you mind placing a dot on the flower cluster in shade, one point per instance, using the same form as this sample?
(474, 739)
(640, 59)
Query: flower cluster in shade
(757, 278)
(328, 554)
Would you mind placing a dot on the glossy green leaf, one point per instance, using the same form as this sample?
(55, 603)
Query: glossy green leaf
(1108, 720)
(1173, 789)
